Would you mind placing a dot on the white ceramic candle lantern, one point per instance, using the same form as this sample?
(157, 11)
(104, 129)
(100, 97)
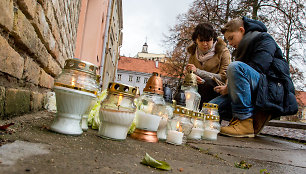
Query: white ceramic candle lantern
(182, 116)
(190, 87)
(198, 126)
(117, 111)
(75, 88)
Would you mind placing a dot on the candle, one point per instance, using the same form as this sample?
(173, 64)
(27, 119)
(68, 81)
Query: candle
(115, 124)
(146, 121)
(162, 129)
(210, 134)
(196, 133)
(175, 137)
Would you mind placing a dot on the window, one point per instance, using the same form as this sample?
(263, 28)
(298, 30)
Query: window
(145, 80)
(137, 79)
(119, 77)
(130, 78)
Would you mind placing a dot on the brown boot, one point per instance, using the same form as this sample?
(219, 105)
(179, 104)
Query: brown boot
(260, 120)
(240, 128)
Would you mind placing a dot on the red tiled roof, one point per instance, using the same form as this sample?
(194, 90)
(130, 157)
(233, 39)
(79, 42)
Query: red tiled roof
(301, 98)
(140, 65)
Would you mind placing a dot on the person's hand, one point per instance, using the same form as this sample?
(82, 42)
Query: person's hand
(221, 90)
(200, 80)
(191, 67)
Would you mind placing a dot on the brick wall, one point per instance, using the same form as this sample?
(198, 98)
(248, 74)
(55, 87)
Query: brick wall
(36, 37)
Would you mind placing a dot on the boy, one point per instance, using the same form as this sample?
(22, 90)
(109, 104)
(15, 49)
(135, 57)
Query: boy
(259, 81)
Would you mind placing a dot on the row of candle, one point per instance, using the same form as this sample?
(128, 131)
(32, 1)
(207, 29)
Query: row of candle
(118, 110)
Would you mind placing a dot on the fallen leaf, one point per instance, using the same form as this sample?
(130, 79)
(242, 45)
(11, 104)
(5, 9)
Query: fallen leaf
(149, 161)
(243, 165)
(4, 127)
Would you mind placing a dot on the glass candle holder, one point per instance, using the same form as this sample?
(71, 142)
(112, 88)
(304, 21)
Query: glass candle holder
(210, 109)
(150, 110)
(198, 126)
(211, 127)
(180, 126)
(117, 111)
(190, 87)
(75, 88)
(168, 112)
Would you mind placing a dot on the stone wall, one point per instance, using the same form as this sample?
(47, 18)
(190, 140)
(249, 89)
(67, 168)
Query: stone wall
(36, 37)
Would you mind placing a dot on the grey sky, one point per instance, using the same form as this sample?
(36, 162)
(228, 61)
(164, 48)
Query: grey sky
(149, 18)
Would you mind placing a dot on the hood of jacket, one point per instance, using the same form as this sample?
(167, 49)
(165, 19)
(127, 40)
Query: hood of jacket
(220, 45)
(253, 25)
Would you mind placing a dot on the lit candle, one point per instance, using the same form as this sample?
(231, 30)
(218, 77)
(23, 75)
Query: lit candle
(174, 136)
(196, 133)
(73, 82)
(210, 134)
(119, 101)
(146, 121)
(115, 124)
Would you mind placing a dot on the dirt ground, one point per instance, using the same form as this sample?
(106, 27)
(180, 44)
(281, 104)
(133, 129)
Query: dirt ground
(89, 153)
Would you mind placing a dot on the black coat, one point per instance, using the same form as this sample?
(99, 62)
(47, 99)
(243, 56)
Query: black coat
(275, 92)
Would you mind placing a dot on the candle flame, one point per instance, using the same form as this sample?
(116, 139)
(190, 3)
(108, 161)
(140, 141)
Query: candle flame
(187, 96)
(178, 127)
(119, 100)
(73, 82)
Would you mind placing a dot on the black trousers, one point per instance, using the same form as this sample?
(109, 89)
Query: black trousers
(207, 92)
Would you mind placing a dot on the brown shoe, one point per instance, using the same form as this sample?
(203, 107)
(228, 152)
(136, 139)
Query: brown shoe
(240, 128)
(260, 119)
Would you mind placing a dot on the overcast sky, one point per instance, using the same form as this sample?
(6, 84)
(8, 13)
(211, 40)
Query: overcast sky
(149, 19)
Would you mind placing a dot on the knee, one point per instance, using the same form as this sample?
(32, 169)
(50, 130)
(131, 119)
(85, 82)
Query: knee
(234, 67)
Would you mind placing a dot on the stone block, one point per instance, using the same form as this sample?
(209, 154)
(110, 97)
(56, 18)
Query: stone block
(7, 14)
(37, 101)
(44, 31)
(10, 61)
(61, 60)
(28, 7)
(45, 80)
(25, 33)
(31, 71)
(17, 102)
(2, 99)
(53, 67)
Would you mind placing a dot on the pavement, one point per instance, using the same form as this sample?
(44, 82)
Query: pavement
(29, 146)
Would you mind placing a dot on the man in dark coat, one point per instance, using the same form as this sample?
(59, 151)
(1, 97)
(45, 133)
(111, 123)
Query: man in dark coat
(259, 82)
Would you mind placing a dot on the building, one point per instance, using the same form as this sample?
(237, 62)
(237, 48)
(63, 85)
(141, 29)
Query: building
(99, 36)
(38, 36)
(150, 56)
(136, 72)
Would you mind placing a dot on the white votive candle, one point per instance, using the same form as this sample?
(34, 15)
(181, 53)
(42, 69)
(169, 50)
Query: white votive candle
(115, 124)
(210, 134)
(196, 134)
(146, 121)
(175, 137)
